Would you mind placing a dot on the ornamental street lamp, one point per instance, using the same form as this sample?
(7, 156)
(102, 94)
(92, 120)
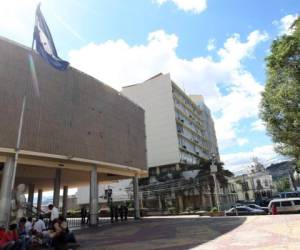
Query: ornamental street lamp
(213, 171)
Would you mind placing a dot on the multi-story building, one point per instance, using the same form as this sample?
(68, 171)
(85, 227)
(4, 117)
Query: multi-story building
(179, 128)
(256, 184)
(179, 134)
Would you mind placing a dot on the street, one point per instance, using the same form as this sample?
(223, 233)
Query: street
(193, 232)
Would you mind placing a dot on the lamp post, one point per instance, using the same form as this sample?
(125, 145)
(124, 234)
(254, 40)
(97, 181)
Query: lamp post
(213, 171)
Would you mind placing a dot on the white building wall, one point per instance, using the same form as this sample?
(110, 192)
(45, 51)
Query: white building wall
(161, 131)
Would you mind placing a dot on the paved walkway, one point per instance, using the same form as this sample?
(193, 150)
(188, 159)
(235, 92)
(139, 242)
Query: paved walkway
(193, 232)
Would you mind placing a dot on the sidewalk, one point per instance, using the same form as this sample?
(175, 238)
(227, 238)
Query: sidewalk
(260, 232)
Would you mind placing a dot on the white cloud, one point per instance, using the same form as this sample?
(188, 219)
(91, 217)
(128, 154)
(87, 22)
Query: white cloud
(285, 23)
(118, 63)
(258, 126)
(239, 161)
(195, 6)
(211, 45)
(242, 141)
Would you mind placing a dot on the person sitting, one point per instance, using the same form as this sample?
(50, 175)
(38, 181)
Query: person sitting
(39, 226)
(40, 233)
(70, 237)
(12, 236)
(28, 226)
(59, 235)
(24, 238)
(5, 242)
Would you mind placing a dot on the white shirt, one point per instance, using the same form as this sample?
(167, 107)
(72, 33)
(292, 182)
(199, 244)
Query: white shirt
(39, 226)
(28, 226)
(54, 214)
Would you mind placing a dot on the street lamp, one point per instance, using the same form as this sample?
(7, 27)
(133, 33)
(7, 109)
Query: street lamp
(213, 171)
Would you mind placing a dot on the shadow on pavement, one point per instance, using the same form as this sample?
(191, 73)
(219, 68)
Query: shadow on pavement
(157, 233)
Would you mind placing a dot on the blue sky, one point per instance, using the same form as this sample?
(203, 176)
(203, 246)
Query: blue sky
(210, 47)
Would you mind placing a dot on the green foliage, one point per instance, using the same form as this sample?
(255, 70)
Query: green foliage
(172, 210)
(280, 106)
(213, 210)
(283, 185)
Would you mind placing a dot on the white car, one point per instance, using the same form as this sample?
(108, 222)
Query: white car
(285, 205)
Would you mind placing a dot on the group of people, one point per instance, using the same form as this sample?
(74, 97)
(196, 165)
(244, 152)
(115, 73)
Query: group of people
(118, 210)
(28, 232)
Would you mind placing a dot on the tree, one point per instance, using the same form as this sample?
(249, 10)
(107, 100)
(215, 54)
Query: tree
(205, 178)
(280, 105)
(283, 185)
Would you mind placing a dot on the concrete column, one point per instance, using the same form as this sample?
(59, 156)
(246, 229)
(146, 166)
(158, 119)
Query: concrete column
(135, 182)
(56, 189)
(65, 202)
(30, 194)
(94, 197)
(39, 200)
(180, 203)
(159, 202)
(6, 191)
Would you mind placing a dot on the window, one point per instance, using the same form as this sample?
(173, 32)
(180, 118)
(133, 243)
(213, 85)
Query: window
(152, 171)
(297, 202)
(286, 203)
(179, 128)
(242, 209)
(277, 204)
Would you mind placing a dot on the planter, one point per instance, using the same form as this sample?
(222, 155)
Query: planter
(215, 214)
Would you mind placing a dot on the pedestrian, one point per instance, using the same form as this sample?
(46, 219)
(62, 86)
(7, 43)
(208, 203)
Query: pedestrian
(83, 215)
(125, 211)
(87, 216)
(121, 212)
(274, 209)
(116, 212)
(111, 212)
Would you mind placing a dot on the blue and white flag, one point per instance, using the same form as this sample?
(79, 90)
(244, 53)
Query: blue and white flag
(44, 42)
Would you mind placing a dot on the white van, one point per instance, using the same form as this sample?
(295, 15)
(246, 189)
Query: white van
(285, 205)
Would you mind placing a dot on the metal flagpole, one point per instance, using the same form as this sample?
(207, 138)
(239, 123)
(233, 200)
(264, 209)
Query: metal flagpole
(17, 150)
(19, 140)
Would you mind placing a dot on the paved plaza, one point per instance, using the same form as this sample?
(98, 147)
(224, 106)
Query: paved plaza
(193, 232)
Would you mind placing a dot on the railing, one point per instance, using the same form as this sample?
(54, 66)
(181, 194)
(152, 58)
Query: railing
(73, 221)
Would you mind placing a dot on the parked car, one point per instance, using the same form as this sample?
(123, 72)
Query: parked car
(255, 206)
(286, 205)
(244, 210)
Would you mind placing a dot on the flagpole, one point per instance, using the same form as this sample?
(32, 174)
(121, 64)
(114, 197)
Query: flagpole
(17, 149)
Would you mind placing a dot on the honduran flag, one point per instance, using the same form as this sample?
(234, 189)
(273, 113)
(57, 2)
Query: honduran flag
(44, 42)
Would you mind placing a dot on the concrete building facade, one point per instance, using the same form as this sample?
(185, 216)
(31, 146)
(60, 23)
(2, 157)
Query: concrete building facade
(178, 129)
(179, 133)
(255, 185)
(76, 130)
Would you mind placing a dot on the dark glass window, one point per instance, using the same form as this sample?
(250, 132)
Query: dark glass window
(297, 202)
(277, 204)
(286, 203)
